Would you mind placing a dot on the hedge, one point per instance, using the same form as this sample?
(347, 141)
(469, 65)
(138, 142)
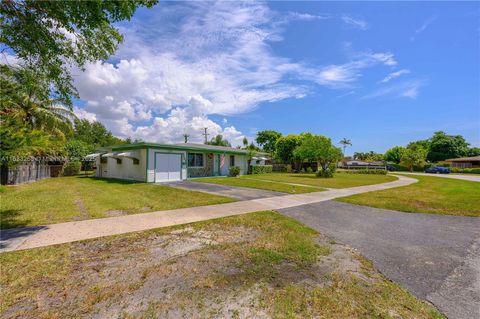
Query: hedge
(71, 168)
(401, 168)
(465, 170)
(261, 169)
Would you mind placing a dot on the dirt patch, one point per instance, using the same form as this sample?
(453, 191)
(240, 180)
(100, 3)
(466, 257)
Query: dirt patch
(83, 212)
(190, 272)
(115, 213)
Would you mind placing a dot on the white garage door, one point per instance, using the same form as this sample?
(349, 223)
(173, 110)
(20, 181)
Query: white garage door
(168, 167)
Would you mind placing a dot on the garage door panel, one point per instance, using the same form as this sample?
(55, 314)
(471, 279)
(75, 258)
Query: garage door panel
(167, 167)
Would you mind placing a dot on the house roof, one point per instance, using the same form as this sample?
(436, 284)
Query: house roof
(464, 159)
(181, 146)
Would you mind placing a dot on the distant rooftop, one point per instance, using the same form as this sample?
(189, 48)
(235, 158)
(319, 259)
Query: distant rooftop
(465, 159)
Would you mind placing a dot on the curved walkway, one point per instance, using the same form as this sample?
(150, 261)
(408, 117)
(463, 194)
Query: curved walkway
(471, 178)
(26, 238)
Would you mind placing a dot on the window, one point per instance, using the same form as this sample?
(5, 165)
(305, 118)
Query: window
(195, 160)
(119, 161)
(103, 160)
(135, 161)
(232, 160)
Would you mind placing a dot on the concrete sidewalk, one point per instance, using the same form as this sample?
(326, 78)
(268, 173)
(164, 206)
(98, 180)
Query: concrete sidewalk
(26, 238)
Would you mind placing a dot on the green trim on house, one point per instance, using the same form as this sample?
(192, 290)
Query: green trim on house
(146, 166)
(203, 149)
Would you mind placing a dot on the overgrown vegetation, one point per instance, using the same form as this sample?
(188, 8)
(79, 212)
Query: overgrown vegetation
(255, 265)
(431, 195)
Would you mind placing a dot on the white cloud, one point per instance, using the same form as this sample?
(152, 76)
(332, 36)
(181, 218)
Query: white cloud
(82, 114)
(409, 89)
(423, 27)
(168, 78)
(394, 75)
(354, 22)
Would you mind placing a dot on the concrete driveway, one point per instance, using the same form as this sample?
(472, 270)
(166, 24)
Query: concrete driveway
(471, 178)
(242, 193)
(436, 257)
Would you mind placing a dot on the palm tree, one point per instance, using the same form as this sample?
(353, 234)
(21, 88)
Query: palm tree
(26, 100)
(345, 142)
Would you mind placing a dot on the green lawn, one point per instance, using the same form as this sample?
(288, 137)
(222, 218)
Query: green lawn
(431, 195)
(243, 266)
(63, 199)
(266, 185)
(340, 180)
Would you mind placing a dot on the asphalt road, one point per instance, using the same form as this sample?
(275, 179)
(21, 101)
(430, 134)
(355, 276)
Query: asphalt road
(436, 257)
(471, 178)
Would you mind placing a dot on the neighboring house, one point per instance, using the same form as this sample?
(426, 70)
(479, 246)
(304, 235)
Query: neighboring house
(464, 162)
(355, 164)
(153, 163)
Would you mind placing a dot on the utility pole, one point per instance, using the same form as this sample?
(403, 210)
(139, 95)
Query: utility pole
(185, 137)
(205, 134)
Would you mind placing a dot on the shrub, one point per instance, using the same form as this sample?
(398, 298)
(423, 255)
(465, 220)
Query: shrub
(465, 170)
(234, 171)
(260, 169)
(366, 171)
(309, 170)
(71, 168)
(327, 173)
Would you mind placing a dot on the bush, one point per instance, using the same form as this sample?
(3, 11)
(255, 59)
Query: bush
(465, 170)
(366, 171)
(327, 173)
(260, 169)
(71, 168)
(234, 171)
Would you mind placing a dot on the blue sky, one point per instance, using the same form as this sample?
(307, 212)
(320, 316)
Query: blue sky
(378, 73)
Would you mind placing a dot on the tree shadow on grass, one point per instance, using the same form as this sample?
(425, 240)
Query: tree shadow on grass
(9, 219)
(110, 180)
(12, 229)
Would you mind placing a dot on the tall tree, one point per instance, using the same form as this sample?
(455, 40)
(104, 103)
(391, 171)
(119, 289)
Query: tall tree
(320, 149)
(285, 147)
(394, 154)
(245, 142)
(414, 156)
(219, 141)
(345, 142)
(443, 146)
(267, 139)
(51, 36)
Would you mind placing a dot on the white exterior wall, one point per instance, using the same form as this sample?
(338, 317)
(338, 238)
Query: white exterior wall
(126, 170)
(240, 161)
(151, 162)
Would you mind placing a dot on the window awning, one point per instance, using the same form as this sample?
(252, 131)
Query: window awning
(114, 155)
(94, 155)
(131, 154)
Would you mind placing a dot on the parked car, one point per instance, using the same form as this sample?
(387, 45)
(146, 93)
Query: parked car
(438, 170)
(390, 168)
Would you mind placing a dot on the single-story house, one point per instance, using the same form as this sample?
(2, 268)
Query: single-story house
(154, 163)
(464, 162)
